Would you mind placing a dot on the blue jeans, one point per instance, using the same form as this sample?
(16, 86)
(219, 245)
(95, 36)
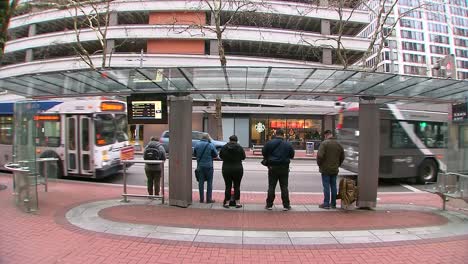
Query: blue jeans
(329, 186)
(206, 175)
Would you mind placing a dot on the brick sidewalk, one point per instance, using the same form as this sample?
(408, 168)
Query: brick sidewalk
(47, 237)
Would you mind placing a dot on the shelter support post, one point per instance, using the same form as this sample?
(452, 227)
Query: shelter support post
(369, 154)
(180, 151)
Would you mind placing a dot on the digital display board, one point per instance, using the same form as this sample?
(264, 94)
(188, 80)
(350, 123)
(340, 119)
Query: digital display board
(459, 112)
(147, 109)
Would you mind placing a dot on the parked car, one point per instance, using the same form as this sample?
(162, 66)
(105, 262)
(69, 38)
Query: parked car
(196, 136)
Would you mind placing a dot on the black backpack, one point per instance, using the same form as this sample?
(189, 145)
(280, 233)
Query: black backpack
(152, 154)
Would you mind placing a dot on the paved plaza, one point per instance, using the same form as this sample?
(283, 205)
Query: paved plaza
(87, 223)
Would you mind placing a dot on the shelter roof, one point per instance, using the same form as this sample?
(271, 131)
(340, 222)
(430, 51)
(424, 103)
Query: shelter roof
(240, 83)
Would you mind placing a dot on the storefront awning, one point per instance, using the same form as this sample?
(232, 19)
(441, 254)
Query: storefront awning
(239, 83)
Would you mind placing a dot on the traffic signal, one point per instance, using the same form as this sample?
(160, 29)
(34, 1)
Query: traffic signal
(450, 67)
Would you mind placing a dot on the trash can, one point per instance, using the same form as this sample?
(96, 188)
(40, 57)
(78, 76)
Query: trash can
(310, 148)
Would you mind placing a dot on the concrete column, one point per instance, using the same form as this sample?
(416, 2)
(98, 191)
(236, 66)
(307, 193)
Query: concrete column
(113, 19)
(29, 52)
(369, 154)
(325, 29)
(214, 47)
(180, 146)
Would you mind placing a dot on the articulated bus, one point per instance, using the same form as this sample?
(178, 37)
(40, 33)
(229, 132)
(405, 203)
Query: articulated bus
(88, 137)
(412, 142)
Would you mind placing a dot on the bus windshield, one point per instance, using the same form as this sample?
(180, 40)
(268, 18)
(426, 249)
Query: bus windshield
(105, 129)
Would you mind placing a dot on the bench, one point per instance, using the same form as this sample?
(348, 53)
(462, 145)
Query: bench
(451, 185)
(257, 148)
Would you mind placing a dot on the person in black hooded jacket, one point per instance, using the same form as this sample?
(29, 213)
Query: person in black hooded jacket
(232, 155)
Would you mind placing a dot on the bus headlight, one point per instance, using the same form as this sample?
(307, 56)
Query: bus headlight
(105, 155)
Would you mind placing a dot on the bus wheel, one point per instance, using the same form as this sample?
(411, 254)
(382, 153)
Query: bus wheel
(53, 168)
(427, 171)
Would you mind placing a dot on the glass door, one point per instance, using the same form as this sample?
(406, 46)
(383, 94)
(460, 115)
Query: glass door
(24, 154)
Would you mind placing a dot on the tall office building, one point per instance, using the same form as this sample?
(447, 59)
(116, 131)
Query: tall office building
(430, 39)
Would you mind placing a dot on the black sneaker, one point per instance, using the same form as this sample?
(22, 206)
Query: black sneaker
(333, 206)
(287, 208)
(226, 206)
(211, 201)
(324, 206)
(269, 208)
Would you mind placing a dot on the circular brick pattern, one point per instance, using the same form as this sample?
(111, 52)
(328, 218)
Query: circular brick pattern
(333, 220)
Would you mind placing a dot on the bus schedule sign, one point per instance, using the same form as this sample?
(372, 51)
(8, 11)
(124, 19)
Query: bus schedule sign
(459, 112)
(147, 109)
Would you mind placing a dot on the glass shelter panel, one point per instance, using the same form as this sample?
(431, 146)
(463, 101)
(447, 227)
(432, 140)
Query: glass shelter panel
(24, 154)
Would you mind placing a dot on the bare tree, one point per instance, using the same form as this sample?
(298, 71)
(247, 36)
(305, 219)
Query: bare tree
(86, 15)
(7, 9)
(223, 14)
(95, 15)
(383, 20)
(385, 23)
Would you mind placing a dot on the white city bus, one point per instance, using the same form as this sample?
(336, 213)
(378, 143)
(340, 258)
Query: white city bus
(88, 137)
(412, 142)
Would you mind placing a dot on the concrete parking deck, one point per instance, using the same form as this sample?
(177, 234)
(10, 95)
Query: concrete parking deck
(86, 223)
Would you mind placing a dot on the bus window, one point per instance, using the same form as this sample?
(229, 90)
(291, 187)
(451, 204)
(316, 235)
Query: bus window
(399, 138)
(105, 129)
(6, 130)
(122, 127)
(48, 133)
(432, 134)
(85, 134)
(71, 134)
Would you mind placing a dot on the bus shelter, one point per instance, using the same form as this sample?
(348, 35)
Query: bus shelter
(183, 84)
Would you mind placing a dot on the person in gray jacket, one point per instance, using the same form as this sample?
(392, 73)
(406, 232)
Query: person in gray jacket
(154, 151)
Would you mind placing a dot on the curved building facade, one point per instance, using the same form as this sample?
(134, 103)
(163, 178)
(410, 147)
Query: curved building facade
(164, 33)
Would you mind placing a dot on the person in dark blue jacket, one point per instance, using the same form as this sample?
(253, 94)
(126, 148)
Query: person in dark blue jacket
(205, 152)
(278, 154)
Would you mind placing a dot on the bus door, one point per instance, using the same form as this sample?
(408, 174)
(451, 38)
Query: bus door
(78, 145)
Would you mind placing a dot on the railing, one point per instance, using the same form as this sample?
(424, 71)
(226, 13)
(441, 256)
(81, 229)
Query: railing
(24, 179)
(125, 194)
(451, 185)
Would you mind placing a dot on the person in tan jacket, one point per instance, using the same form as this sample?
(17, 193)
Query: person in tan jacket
(330, 156)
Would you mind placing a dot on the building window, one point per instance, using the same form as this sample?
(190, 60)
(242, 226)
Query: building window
(412, 35)
(412, 3)
(439, 39)
(462, 75)
(407, 13)
(460, 32)
(440, 50)
(415, 70)
(414, 58)
(459, 11)
(297, 130)
(413, 46)
(461, 52)
(437, 28)
(436, 17)
(411, 23)
(461, 42)
(462, 64)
